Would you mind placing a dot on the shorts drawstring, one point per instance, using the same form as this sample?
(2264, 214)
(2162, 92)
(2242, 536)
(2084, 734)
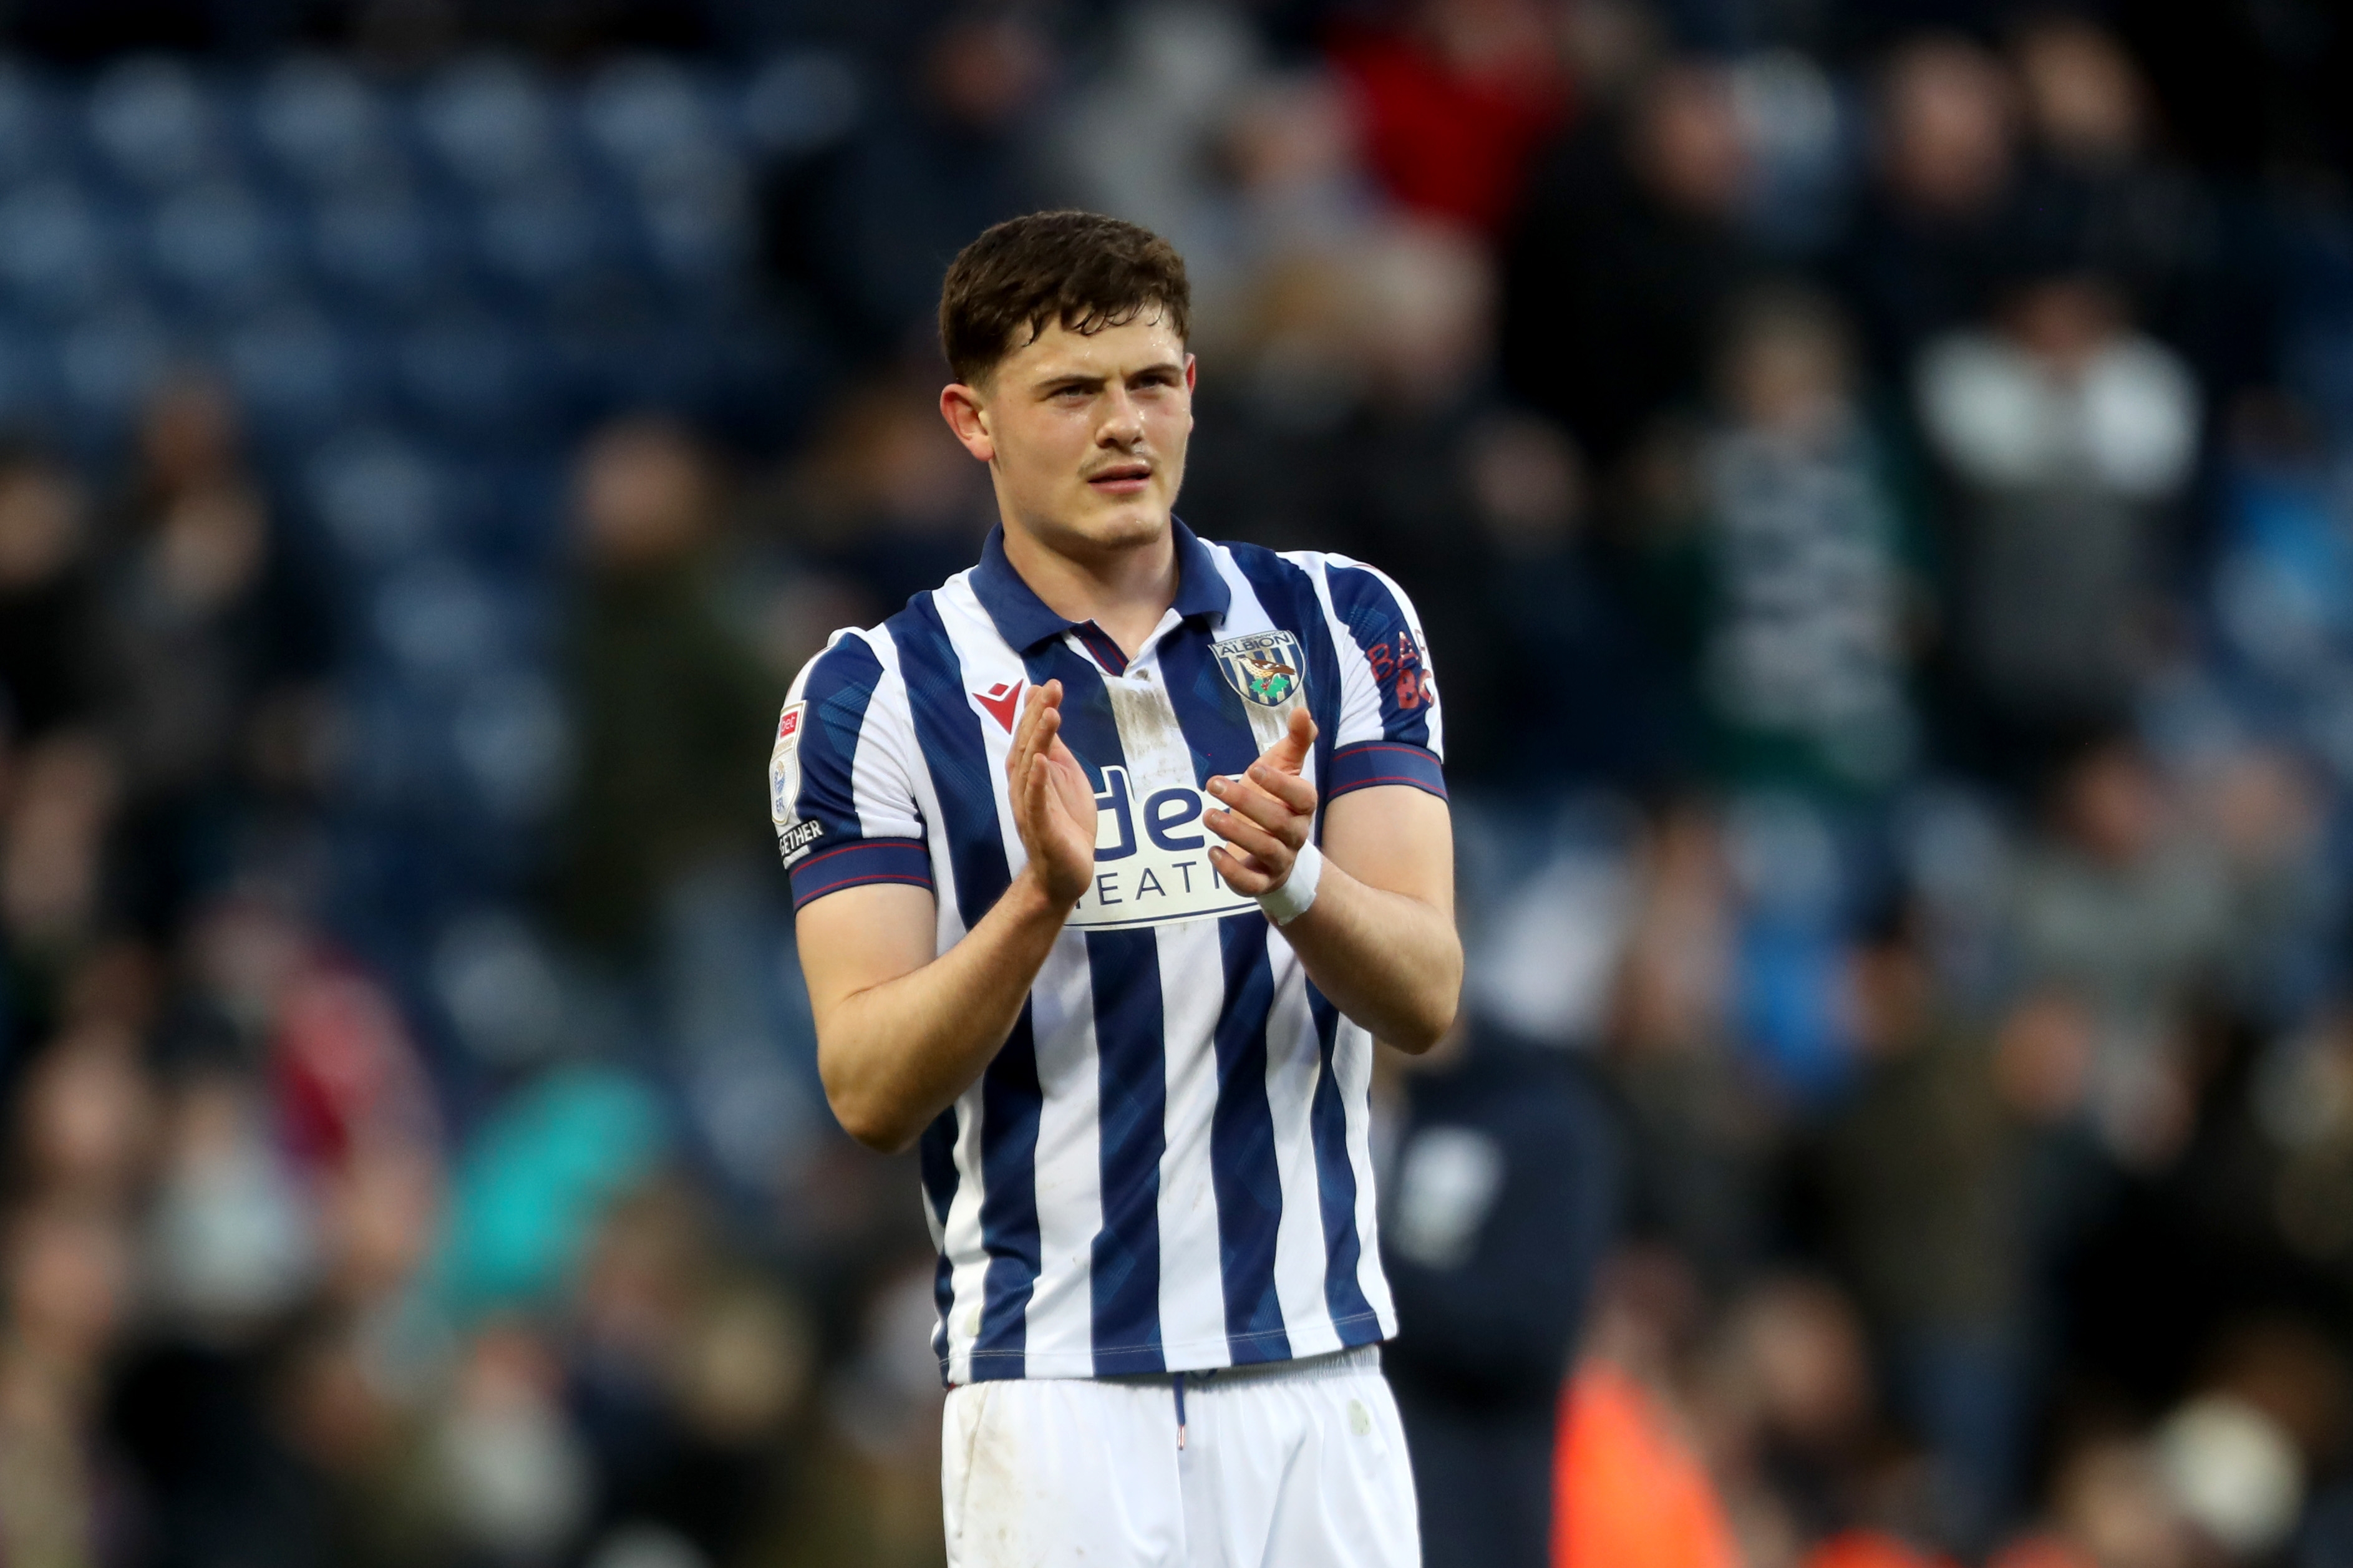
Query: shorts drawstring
(1179, 1383)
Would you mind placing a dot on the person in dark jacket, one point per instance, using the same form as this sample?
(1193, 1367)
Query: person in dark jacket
(1625, 255)
(1503, 1202)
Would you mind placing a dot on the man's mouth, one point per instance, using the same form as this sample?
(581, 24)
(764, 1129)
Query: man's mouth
(1121, 479)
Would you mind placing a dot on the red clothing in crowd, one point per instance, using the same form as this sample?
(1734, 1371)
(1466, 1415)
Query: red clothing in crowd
(1449, 139)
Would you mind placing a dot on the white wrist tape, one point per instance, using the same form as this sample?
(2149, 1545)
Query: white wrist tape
(1288, 903)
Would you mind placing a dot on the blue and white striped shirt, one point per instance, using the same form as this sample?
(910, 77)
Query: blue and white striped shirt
(1167, 1168)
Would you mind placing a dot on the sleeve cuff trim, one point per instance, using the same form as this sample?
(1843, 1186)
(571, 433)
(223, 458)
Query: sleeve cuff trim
(1369, 763)
(903, 860)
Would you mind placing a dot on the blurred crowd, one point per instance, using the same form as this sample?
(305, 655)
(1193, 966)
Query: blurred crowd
(1878, 479)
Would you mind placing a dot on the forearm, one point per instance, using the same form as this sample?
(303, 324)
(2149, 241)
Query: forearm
(895, 1055)
(1391, 963)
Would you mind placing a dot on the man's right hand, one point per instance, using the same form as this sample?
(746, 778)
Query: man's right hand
(1053, 805)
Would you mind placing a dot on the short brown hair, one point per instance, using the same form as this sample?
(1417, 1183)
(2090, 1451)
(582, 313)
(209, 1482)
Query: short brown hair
(1083, 269)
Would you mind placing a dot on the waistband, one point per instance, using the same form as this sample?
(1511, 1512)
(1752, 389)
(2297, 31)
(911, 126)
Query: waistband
(1305, 1368)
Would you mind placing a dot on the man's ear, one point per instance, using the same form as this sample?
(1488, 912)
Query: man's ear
(968, 416)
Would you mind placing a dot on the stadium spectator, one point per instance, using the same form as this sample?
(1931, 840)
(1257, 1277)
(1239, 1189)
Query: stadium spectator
(211, 628)
(2104, 198)
(1937, 231)
(2065, 436)
(1624, 255)
(1498, 1211)
(1791, 1409)
(1578, 689)
(867, 225)
(1801, 574)
(660, 687)
(2126, 915)
(885, 505)
(1927, 1174)
(1634, 1484)
(1453, 99)
(49, 653)
(1704, 1133)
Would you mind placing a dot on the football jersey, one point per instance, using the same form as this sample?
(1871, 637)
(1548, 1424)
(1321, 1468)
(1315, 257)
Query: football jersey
(1166, 1167)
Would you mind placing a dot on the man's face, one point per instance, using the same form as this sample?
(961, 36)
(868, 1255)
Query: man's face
(1084, 433)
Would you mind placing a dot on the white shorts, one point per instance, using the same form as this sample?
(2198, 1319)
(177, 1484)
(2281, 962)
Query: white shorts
(1293, 1465)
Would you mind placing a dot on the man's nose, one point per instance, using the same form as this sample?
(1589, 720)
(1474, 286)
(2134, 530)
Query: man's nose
(1123, 421)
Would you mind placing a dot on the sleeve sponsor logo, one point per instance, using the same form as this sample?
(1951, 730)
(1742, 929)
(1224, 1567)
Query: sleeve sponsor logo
(1403, 671)
(793, 840)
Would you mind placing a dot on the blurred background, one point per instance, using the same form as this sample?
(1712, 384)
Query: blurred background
(1878, 477)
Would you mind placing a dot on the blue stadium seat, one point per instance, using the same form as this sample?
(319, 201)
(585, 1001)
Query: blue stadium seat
(379, 497)
(658, 124)
(701, 238)
(111, 362)
(295, 373)
(325, 125)
(59, 251)
(32, 138)
(549, 237)
(436, 621)
(800, 103)
(383, 247)
(401, 759)
(28, 380)
(513, 741)
(474, 381)
(218, 247)
(516, 519)
(492, 122)
(154, 121)
(493, 975)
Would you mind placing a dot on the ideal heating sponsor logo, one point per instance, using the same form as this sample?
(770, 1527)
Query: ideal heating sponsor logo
(1152, 860)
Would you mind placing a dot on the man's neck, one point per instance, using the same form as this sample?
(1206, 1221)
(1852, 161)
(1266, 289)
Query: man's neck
(1124, 590)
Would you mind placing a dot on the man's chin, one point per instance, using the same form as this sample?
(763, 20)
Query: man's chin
(1119, 524)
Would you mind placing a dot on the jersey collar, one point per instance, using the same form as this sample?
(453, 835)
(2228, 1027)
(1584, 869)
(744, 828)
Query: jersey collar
(1023, 620)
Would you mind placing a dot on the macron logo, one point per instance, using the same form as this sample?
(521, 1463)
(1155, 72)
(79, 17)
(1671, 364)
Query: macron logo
(1001, 699)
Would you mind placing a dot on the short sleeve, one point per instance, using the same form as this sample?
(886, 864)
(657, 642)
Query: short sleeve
(1392, 731)
(841, 778)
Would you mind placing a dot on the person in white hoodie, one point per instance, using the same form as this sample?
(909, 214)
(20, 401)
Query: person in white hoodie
(2065, 434)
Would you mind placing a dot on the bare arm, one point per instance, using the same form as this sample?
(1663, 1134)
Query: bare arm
(900, 1032)
(1379, 940)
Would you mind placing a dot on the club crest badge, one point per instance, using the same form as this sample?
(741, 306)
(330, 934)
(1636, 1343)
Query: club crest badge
(1266, 668)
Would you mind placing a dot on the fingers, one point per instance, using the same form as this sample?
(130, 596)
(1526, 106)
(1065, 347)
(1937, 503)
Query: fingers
(1041, 717)
(1253, 804)
(1285, 808)
(1243, 873)
(1289, 752)
(1269, 848)
(1043, 709)
(1284, 785)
